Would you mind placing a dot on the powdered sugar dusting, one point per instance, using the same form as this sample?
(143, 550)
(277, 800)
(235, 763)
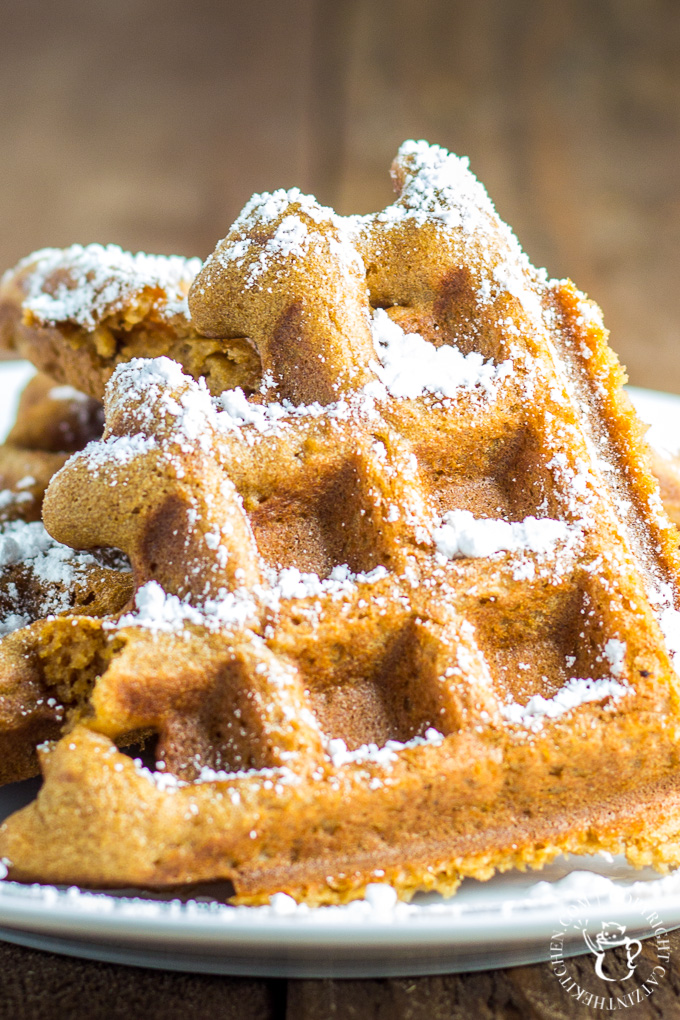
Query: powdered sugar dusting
(54, 566)
(291, 239)
(339, 755)
(410, 366)
(290, 583)
(158, 611)
(614, 652)
(440, 188)
(116, 450)
(68, 393)
(9, 498)
(463, 534)
(574, 693)
(86, 284)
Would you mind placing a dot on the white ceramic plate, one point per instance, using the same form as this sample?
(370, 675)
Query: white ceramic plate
(508, 920)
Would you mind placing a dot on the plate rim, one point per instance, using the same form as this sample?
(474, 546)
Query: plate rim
(32, 918)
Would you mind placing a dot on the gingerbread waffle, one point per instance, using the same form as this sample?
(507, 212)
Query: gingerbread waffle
(406, 614)
(38, 576)
(667, 472)
(78, 312)
(52, 423)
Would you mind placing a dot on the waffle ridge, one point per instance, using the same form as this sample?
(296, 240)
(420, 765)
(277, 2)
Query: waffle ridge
(39, 579)
(407, 612)
(78, 312)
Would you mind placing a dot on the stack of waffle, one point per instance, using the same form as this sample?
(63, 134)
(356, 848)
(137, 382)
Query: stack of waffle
(367, 579)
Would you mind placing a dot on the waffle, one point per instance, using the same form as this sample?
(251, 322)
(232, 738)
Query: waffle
(52, 422)
(406, 614)
(38, 577)
(78, 312)
(667, 472)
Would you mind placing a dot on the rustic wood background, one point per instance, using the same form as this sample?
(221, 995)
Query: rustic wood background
(150, 122)
(40, 986)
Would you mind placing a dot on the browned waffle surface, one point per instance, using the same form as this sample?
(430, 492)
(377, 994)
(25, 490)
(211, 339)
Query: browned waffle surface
(407, 613)
(78, 312)
(38, 576)
(52, 421)
(666, 470)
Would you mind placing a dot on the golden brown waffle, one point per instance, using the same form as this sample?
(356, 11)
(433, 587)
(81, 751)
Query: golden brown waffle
(75, 351)
(38, 578)
(78, 312)
(52, 422)
(47, 594)
(406, 615)
(667, 472)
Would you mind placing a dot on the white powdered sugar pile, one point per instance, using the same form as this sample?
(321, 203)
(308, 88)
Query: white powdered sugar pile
(158, 611)
(29, 544)
(12, 621)
(290, 583)
(69, 393)
(574, 693)
(10, 498)
(440, 188)
(94, 281)
(464, 535)
(291, 239)
(614, 652)
(276, 778)
(55, 566)
(236, 410)
(410, 366)
(339, 754)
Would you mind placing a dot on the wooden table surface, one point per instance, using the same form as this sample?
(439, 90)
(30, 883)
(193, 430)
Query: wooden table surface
(150, 123)
(40, 986)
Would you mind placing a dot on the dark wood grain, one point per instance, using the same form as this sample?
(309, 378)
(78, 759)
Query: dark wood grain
(517, 993)
(42, 986)
(149, 123)
(332, 31)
